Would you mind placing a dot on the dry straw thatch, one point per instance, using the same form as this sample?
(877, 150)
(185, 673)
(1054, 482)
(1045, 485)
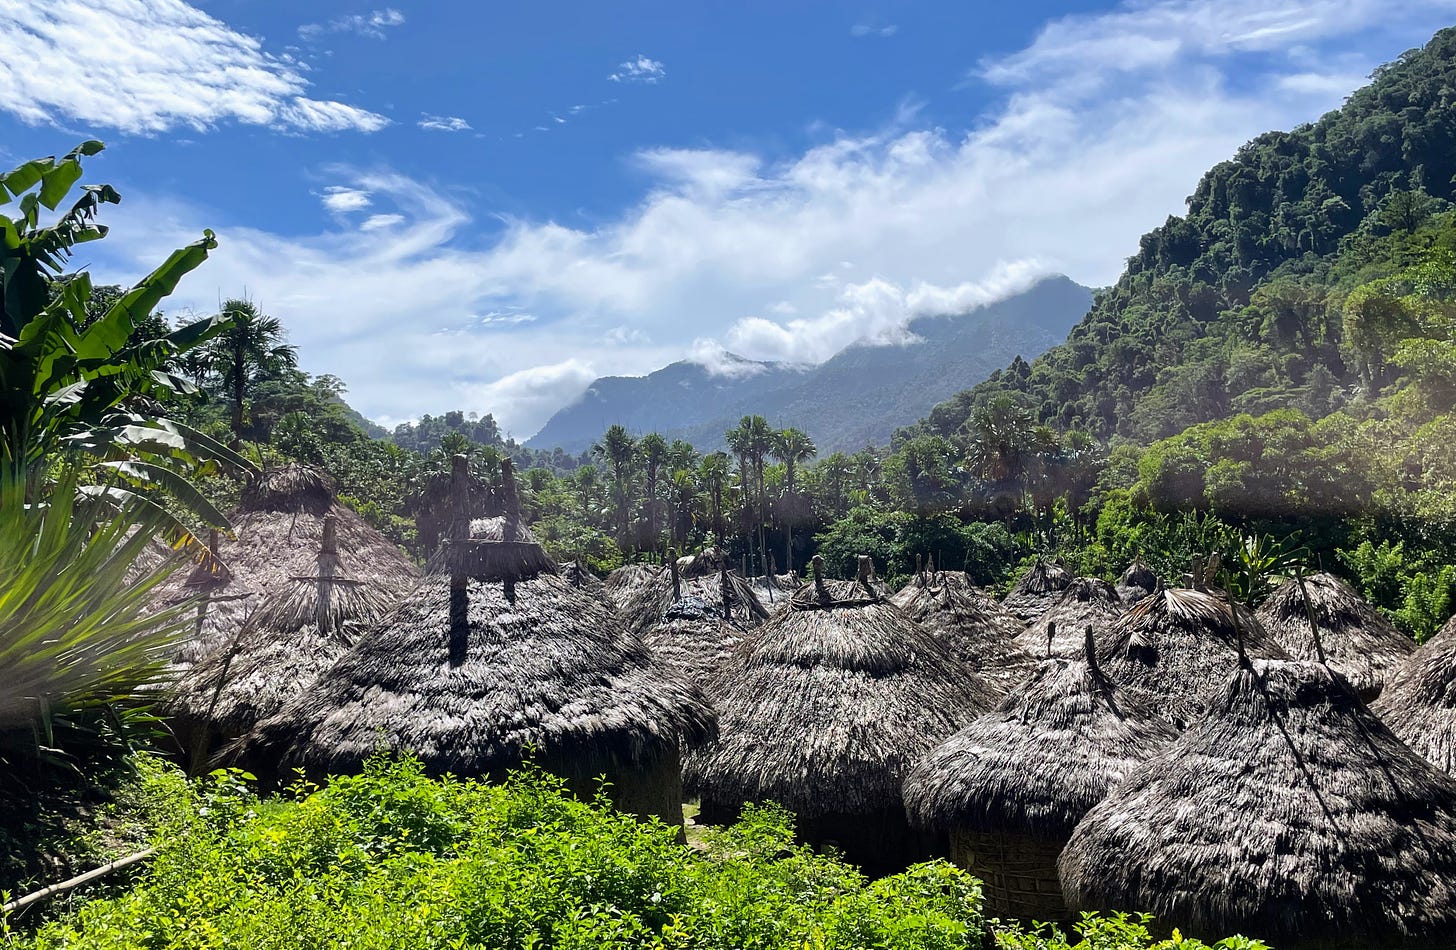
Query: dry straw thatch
(582, 578)
(1036, 590)
(468, 673)
(1419, 701)
(1353, 637)
(279, 527)
(1086, 603)
(294, 635)
(976, 630)
(693, 639)
(1011, 786)
(641, 595)
(824, 709)
(1174, 650)
(1137, 582)
(1290, 812)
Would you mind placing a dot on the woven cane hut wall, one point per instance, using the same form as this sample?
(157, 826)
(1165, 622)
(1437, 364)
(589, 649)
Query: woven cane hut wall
(1018, 872)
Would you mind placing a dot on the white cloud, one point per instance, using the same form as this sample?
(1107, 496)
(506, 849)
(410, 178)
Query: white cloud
(443, 123)
(871, 29)
(148, 67)
(715, 358)
(376, 222)
(341, 199)
(722, 250)
(372, 24)
(504, 319)
(640, 69)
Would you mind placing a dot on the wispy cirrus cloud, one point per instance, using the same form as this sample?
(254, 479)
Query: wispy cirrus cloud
(639, 70)
(148, 67)
(443, 123)
(864, 29)
(372, 24)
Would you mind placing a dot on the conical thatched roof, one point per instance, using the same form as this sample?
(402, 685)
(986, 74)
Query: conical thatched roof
(1173, 650)
(581, 577)
(1086, 603)
(976, 630)
(1419, 701)
(1036, 590)
(641, 595)
(1290, 812)
(1053, 748)
(1137, 582)
(825, 707)
(468, 672)
(289, 640)
(279, 527)
(693, 639)
(1356, 640)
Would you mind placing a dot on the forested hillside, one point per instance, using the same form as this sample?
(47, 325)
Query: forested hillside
(1238, 305)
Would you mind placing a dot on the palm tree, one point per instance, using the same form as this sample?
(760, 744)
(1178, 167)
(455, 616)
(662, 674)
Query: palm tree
(619, 451)
(791, 447)
(751, 441)
(714, 476)
(834, 473)
(654, 453)
(249, 350)
(999, 448)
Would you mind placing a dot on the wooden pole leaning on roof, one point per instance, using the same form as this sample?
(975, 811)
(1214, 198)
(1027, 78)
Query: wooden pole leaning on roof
(866, 566)
(511, 498)
(459, 538)
(676, 578)
(328, 563)
(725, 587)
(819, 588)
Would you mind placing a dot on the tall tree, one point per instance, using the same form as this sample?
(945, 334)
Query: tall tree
(249, 350)
(618, 450)
(791, 447)
(654, 453)
(713, 472)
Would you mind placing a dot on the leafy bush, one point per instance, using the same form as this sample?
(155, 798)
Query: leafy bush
(1115, 932)
(391, 858)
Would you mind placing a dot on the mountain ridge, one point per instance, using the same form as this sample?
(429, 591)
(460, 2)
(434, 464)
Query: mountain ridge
(857, 397)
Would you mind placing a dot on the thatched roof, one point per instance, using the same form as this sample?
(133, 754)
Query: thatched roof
(712, 560)
(1355, 639)
(580, 576)
(972, 625)
(1036, 590)
(694, 639)
(1086, 603)
(825, 707)
(466, 673)
(289, 640)
(467, 686)
(1419, 701)
(1174, 650)
(1137, 582)
(278, 527)
(641, 595)
(1290, 812)
(1054, 748)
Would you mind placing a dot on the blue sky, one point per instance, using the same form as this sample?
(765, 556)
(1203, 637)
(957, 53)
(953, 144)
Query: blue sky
(483, 206)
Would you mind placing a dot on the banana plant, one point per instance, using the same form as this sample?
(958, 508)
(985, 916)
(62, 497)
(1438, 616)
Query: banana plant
(93, 394)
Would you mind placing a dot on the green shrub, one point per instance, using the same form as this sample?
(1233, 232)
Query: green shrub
(1115, 932)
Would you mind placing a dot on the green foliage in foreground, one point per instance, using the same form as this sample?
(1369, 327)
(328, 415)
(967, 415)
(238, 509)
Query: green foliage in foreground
(1117, 932)
(391, 858)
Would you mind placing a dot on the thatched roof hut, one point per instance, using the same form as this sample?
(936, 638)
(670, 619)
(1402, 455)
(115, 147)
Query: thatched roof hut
(1137, 582)
(1290, 812)
(824, 709)
(970, 623)
(1174, 650)
(1011, 786)
(579, 576)
(1353, 636)
(278, 526)
(693, 638)
(494, 654)
(1036, 590)
(1419, 701)
(295, 634)
(641, 594)
(1086, 602)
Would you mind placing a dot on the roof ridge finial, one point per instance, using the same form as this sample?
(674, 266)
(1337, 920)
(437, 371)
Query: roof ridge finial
(511, 498)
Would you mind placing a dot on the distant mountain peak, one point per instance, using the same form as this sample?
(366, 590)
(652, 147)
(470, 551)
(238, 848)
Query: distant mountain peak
(857, 397)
